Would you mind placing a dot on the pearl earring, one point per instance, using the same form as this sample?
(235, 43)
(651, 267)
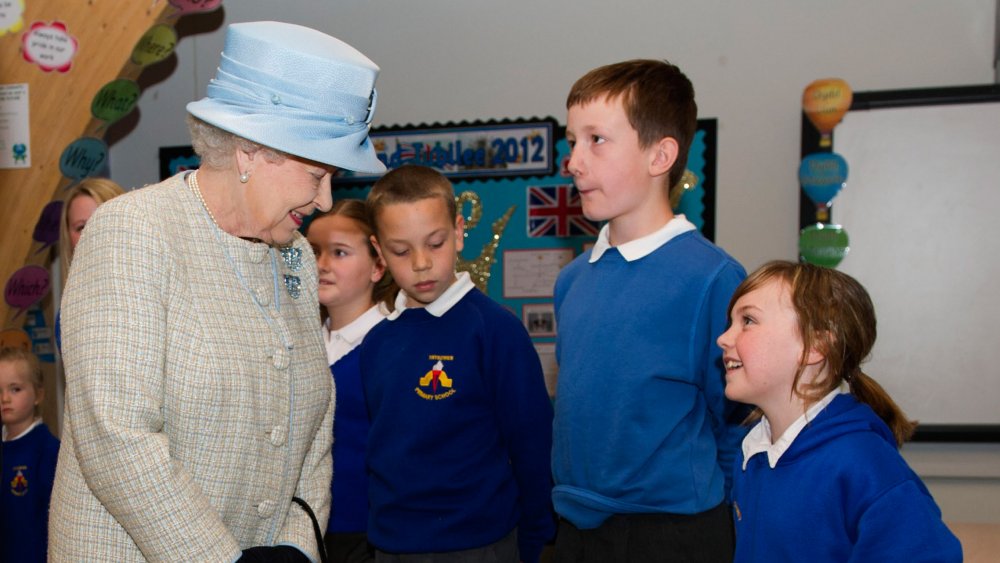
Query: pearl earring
(244, 177)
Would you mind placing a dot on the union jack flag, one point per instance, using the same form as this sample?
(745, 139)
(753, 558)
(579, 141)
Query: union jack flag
(556, 211)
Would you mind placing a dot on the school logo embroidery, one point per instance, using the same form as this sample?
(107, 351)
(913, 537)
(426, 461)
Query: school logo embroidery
(19, 485)
(435, 385)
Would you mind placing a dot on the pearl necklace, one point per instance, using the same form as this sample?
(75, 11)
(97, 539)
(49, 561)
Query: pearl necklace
(193, 183)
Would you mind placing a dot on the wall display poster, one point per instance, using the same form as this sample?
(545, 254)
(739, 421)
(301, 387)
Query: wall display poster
(15, 131)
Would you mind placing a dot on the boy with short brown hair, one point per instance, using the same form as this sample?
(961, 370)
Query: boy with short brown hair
(644, 437)
(458, 451)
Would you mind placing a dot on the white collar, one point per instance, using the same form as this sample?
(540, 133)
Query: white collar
(455, 292)
(22, 434)
(643, 246)
(759, 438)
(340, 342)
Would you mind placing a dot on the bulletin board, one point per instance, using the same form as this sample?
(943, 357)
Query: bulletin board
(919, 207)
(524, 221)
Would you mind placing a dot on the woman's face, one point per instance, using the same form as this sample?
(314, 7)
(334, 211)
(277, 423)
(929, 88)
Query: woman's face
(281, 195)
(80, 210)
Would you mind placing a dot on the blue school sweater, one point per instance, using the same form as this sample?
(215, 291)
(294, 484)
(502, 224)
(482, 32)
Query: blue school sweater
(458, 452)
(642, 424)
(29, 468)
(840, 492)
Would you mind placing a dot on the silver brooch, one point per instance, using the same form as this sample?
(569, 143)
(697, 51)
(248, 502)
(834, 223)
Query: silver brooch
(292, 257)
(294, 286)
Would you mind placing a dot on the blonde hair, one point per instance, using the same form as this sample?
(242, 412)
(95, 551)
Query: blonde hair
(837, 318)
(385, 289)
(14, 355)
(100, 190)
(408, 184)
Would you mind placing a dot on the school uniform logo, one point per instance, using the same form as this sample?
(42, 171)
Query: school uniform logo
(435, 385)
(19, 485)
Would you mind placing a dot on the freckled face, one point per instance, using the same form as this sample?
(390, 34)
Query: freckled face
(77, 215)
(763, 347)
(610, 169)
(419, 243)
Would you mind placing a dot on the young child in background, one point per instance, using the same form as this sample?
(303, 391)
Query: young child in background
(820, 477)
(458, 453)
(643, 436)
(352, 283)
(29, 459)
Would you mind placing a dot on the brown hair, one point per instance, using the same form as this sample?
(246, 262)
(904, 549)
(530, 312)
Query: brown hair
(385, 289)
(407, 184)
(836, 318)
(658, 100)
(100, 190)
(14, 355)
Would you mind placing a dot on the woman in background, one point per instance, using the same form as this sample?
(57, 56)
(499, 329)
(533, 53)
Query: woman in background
(199, 401)
(80, 203)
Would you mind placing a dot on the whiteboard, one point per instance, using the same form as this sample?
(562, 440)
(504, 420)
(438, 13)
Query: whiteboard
(922, 211)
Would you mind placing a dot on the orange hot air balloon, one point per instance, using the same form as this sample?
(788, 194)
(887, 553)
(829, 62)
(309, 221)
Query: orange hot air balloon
(825, 102)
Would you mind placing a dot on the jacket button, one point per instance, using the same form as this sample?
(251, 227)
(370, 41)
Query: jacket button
(277, 436)
(265, 508)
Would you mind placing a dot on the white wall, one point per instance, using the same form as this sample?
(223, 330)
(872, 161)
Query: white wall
(749, 61)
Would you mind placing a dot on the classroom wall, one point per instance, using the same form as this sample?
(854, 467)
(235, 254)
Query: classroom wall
(749, 61)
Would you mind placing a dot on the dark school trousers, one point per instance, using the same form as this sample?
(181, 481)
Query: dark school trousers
(706, 537)
(503, 551)
(342, 547)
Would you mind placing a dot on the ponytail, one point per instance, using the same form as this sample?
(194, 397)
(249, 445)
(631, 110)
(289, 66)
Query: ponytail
(868, 391)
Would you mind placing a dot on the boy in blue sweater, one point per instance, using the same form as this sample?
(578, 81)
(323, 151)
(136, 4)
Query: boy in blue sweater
(643, 434)
(460, 439)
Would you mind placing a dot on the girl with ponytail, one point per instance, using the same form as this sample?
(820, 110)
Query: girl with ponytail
(820, 477)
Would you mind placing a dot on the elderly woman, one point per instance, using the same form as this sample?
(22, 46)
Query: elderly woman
(199, 402)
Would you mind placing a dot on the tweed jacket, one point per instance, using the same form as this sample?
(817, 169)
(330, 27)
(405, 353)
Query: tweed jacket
(199, 401)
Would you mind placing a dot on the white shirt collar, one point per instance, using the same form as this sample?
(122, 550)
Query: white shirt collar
(641, 247)
(759, 438)
(22, 434)
(462, 285)
(340, 342)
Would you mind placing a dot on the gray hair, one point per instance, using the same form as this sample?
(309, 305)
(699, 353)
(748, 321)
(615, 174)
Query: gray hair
(216, 147)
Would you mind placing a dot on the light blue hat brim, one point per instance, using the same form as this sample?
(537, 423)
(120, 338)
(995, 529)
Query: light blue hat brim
(296, 90)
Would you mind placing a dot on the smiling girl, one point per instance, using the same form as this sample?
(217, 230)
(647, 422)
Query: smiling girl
(820, 477)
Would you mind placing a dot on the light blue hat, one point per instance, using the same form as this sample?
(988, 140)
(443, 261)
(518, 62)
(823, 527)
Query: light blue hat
(296, 90)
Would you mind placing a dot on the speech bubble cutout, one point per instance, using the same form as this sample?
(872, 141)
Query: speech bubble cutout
(823, 245)
(195, 6)
(115, 100)
(83, 158)
(154, 45)
(49, 45)
(11, 12)
(26, 287)
(822, 176)
(47, 227)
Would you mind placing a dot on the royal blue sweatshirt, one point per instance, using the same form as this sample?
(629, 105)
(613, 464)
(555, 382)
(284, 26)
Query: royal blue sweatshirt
(29, 468)
(642, 424)
(458, 453)
(841, 492)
